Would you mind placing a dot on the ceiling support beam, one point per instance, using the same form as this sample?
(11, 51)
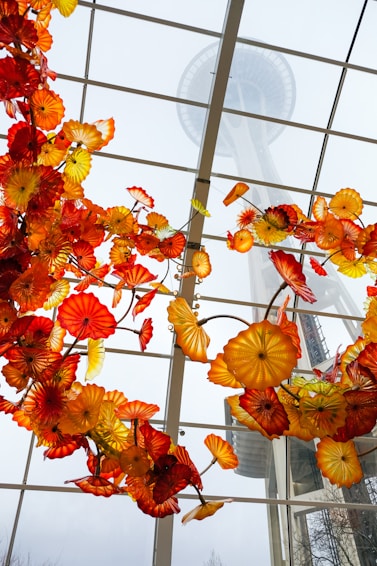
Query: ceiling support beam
(164, 527)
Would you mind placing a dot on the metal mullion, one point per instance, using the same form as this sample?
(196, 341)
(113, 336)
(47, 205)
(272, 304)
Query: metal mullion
(270, 119)
(22, 487)
(150, 19)
(164, 529)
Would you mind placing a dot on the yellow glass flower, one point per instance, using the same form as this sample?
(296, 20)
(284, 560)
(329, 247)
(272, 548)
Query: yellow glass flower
(323, 414)
(338, 462)
(267, 233)
(59, 290)
(95, 358)
(199, 207)
(65, 7)
(261, 356)
(346, 203)
(119, 220)
(191, 337)
(20, 186)
(78, 164)
(109, 432)
(354, 269)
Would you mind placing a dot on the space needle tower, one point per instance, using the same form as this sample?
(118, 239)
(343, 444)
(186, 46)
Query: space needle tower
(261, 84)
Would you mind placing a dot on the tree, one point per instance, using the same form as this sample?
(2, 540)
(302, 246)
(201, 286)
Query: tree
(339, 536)
(214, 560)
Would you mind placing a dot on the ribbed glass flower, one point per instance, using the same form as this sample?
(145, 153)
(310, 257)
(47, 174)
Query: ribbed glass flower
(323, 414)
(204, 510)
(47, 107)
(266, 409)
(237, 191)
(221, 451)
(346, 203)
(85, 317)
(338, 462)
(191, 337)
(291, 271)
(220, 374)
(261, 356)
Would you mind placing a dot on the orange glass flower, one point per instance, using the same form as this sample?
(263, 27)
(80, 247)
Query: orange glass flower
(244, 417)
(8, 315)
(317, 267)
(82, 134)
(44, 403)
(134, 461)
(329, 233)
(144, 302)
(204, 510)
(47, 108)
(338, 462)
(221, 451)
(191, 337)
(96, 485)
(201, 264)
(106, 129)
(361, 414)
(81, 414)
(247, 217)
(131, 410)
(242, 241)
(238, 190)
(261, 356)
(85, 317)
(143, 494)
(156, 221)
(220, 374)
(31, 288)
